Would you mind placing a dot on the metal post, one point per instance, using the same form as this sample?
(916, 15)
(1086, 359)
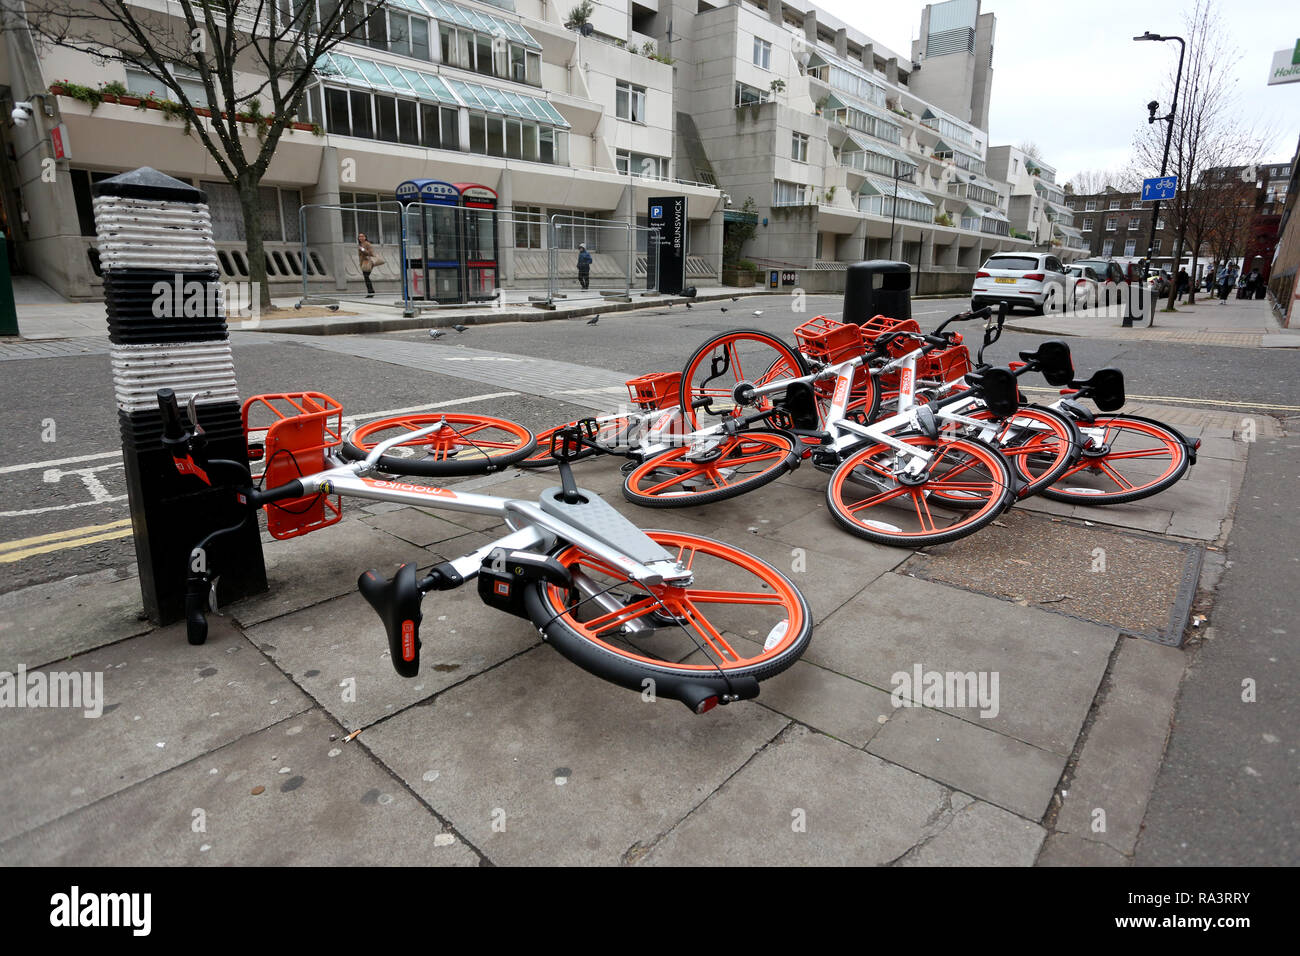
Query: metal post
(166, 324)
(1164, 167)
(893, 211)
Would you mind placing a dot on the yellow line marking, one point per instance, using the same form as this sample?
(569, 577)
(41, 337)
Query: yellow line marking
(69, 533)
(1177, 400)
(9, 557)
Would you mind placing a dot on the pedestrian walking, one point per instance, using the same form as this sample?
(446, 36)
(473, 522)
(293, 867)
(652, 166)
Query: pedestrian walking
(368, 259)
(584, 266)
(1183, 284)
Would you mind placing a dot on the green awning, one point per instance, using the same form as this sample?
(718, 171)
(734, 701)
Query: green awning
(481, 22)
(872, 186)
(735, 215)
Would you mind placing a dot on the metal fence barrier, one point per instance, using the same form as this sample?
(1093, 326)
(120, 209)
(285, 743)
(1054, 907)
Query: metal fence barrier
(330, 234)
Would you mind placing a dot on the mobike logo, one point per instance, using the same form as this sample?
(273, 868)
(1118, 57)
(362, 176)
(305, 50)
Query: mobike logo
(408, 640)
(905, 382)
(186, 466)
(407, 486)
(841, 387)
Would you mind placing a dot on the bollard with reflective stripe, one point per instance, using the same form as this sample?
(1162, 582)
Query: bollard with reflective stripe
(165, 307)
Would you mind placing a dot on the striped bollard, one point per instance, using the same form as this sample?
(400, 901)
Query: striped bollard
(165, 306)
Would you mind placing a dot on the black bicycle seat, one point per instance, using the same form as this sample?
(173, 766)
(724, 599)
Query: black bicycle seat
(1052, 359)
(397, 602)
(997, 388)
(1105, 388)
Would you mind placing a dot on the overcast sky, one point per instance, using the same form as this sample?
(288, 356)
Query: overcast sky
(1084, 54)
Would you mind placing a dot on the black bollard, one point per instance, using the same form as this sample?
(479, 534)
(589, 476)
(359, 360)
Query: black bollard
(165, 305)
(877, 287)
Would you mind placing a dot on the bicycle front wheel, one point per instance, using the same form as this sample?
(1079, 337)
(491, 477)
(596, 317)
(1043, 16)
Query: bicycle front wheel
(720, 364)
(1125, 458)
(875, 495)
(686, 476)
(1040, 444)
(738, 622)
(462, 445)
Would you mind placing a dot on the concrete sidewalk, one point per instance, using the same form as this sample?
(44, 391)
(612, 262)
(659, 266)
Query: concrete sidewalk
(287, 738)
(43, 315)
(1234, 323)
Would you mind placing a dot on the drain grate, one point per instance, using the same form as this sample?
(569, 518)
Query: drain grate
(1134, 582)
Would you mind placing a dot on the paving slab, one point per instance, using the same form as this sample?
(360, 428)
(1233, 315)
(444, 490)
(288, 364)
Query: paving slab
(165, 702)
(316, 567)
(285, 796)
(979, 834)
(338, 653)
(828, 702)
(49, 622)
(808, 800)
(415, 526)
(1069, 568)
(572, 769)
(966, 756)
(1049, 666)
(1066, 849)
(1117, 767)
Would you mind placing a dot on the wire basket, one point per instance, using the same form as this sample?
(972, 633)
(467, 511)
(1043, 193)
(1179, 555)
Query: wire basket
(302, 427)
(655, 391)
(829, 341)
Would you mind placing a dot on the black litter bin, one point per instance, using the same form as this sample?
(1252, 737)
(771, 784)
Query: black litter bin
(877, 287)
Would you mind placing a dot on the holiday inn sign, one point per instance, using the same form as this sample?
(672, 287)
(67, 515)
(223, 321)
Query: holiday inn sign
(1286, 66)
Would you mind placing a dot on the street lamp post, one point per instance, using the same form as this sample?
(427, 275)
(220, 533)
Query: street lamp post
(893, 210)
(1164, 160)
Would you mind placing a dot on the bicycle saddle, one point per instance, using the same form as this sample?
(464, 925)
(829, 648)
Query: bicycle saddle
(997, 388)
(1105, 388)
(397, 602)
(1052, 358)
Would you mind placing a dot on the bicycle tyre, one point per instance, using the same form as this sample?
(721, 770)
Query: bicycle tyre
(780, 449)
(540, 457)
(788, 363)
(1018, 451)
(1000, 493)
(1169, 441)
(449, 454)
(593, 645)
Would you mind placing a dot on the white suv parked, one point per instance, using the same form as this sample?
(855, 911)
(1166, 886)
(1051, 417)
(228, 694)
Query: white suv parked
(1033, 280)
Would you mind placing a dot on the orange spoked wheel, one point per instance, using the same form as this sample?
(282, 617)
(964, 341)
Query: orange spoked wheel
(737, 618)
(614, 434)
(1040, 444)
(711, 469)
(723, 362)
(1124, 458)
(462, 444)
(880, 494)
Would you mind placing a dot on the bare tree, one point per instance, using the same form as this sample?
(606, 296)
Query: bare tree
(1208, 132)
(1030, 149)
(246, 53)
(1091, 181)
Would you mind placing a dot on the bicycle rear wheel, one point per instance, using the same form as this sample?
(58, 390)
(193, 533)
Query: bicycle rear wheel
(871, 495)
(740, 463)
(1040, 444)
(1124, 458)
(464, 444)
(716, 367)
(740, 621)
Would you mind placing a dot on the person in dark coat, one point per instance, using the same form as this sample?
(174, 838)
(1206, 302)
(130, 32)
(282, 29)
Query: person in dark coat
(1182, 284)
(584, 266)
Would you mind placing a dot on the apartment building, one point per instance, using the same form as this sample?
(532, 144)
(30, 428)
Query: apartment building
(1037, 207)
(500, 94)
(1117, 224)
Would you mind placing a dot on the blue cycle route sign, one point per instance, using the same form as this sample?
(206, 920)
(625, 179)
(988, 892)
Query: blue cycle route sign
(1159, 187)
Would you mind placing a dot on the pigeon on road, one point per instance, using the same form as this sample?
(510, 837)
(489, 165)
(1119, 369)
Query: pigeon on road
(723, 308)
(593, 320)
(758, 312)
(436, 333)
(460, 328)
(689, 306)
(735, 298)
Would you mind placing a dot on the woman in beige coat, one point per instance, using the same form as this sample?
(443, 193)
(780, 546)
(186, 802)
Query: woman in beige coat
(366, 254)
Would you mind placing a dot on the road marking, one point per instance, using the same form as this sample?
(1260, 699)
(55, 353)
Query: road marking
(1179, 400)
(19, 548)
(10, 469)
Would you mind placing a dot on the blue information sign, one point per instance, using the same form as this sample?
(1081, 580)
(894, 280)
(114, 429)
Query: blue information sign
(1159, 187)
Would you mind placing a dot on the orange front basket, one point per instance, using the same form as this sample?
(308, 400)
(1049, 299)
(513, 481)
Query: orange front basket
(289, 433)
(655, 391)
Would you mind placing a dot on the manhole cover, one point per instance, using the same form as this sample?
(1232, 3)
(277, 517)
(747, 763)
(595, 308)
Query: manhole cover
(1133, 582)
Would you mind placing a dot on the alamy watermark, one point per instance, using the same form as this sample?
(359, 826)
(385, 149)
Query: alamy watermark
(184, 298)
(78, 690)
(949, 689)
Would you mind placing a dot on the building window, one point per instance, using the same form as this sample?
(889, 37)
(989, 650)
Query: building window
(528, 227)
(1155, 246)
(788, 194)
(639, 164)
(1070, 204)
(1160, 223)
(747, 95)
(629, 101)
(1108, 247)
(1130, 247)
(1111, 223)
(1015, 165)
(182, 80)
(1133, 224)
(1137, 204)
(1087, 224)
(762, 53)
(1114, 204)
(1090, 205)
(489, 54)
(799, 147)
